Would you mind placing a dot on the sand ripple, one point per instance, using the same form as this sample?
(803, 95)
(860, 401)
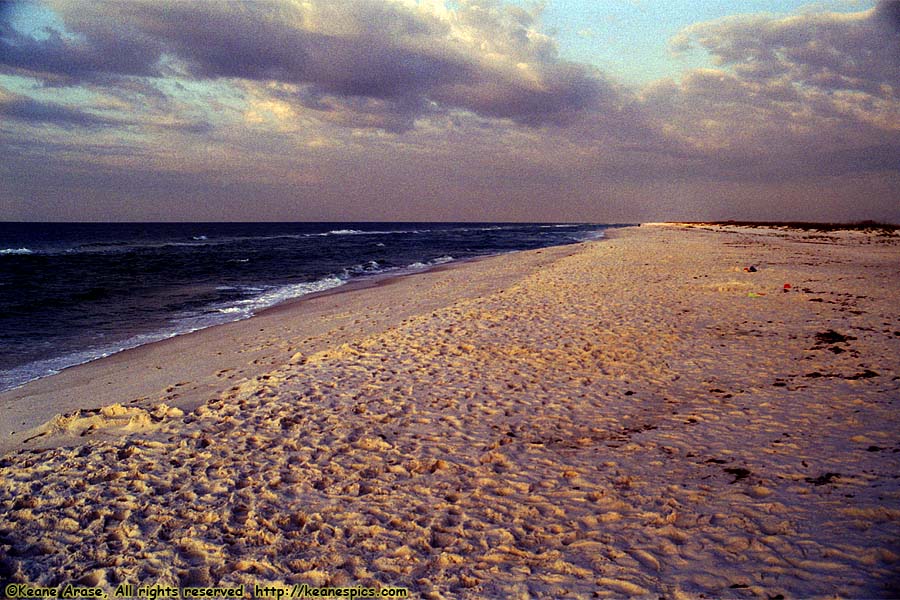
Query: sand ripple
(625, 422)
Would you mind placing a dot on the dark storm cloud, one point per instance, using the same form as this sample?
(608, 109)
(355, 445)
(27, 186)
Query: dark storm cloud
(58, 57)
(888, 11)
(33, 111)
(408, 60)
(36, 112)
(565, 91)
(878, 158)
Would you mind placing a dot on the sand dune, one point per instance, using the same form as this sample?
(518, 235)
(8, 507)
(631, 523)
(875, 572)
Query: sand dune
(638, 417)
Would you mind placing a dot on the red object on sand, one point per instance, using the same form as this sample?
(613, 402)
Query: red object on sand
(787, 287)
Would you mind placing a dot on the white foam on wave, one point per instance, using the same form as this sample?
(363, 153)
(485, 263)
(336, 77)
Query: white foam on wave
(272, 296)
(488, 228)
(368, 268)
(16, 251)
(588, 236)
(19, 376)
(431, 263)
(360, 232)
(188, 323)
(124, 248)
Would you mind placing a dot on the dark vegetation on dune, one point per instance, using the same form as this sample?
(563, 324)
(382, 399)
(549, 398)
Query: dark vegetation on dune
(868, 226)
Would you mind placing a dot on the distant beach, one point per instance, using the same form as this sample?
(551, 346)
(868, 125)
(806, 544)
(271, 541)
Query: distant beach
(681, 410)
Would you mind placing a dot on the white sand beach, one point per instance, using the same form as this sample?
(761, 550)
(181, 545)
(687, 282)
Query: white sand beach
(638, 416)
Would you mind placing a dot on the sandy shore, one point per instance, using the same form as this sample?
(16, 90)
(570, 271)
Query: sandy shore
(638, 416)
(187, 370)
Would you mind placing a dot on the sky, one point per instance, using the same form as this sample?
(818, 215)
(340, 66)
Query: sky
(449, 110)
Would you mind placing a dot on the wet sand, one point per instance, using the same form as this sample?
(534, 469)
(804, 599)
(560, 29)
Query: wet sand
(637, 416)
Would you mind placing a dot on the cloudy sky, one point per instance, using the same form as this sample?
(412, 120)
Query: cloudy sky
(493, 110)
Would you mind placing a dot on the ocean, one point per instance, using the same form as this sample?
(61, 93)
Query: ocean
(75, 292)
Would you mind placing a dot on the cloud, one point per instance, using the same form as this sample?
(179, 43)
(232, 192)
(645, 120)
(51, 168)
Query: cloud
(23, 108)
(386, 63)
(452, 109)
(64, 58)
(813, 93)
(824, 51)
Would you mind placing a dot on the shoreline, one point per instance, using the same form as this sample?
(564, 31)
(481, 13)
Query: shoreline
(643, 416)
(362, 282)
(225, 297)
(36, 402)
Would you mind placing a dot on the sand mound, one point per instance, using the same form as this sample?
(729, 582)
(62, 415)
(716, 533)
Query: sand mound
(109, 421)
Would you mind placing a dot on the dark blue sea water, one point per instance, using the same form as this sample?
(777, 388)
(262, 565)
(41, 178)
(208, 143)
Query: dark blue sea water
(70, 293)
